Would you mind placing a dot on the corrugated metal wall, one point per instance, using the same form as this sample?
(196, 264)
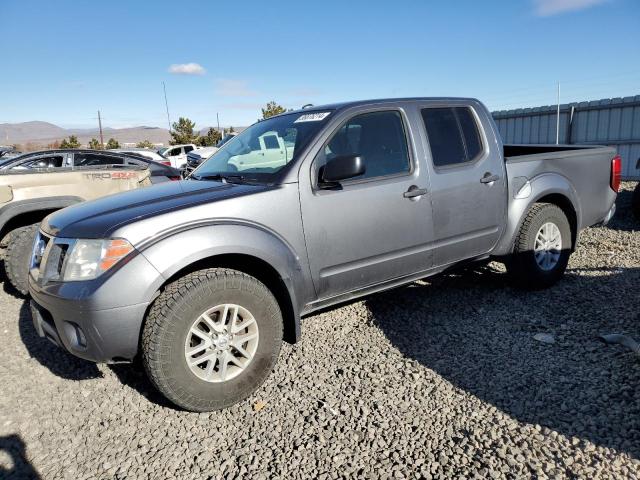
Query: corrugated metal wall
(614, 121)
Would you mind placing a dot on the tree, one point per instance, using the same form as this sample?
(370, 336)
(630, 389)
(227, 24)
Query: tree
(71, 142)
(210, 139)
(182, 132)
(228, 131)
(112, 143)
(94, 144)
(272, 109)
(145, 144)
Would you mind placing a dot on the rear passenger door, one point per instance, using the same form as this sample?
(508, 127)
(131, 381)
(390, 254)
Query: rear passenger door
(468, 189)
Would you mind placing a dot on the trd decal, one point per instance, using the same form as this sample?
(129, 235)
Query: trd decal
(110, 176)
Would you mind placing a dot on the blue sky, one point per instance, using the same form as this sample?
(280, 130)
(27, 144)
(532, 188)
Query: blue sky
(63, 60)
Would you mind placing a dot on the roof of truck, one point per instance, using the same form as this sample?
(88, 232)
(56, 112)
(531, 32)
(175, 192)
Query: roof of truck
(355, 103)
(67, 150)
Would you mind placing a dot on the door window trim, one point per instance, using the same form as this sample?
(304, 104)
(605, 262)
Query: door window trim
(483, 138)
(380, 178)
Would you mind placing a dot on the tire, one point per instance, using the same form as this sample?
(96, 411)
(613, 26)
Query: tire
(167, 334)
(18, 256)
(635, 202)
(536, 271)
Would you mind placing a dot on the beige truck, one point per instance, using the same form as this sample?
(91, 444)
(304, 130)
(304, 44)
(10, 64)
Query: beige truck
(29, 195)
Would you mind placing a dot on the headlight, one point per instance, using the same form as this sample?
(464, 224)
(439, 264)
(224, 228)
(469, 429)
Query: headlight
(88, 259)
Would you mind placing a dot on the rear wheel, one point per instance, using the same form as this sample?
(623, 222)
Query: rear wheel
(18, 256)
(211, 338)
(542, 247)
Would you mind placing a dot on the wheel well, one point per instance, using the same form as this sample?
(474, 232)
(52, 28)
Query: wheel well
(566, 206)
(259, 269)
(24, 219)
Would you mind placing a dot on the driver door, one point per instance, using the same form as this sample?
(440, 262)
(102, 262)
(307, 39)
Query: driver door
(369, 230)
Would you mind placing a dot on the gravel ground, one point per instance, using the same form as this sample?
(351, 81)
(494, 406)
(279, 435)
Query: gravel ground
(439, 379)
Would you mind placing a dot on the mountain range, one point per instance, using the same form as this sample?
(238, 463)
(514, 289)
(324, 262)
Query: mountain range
(43, 133)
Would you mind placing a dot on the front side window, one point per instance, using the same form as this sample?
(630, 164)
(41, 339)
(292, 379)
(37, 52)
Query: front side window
(92, 159)
(188, 148)
(265, 148)
(453, 135)
(379, 138)
(49, 161)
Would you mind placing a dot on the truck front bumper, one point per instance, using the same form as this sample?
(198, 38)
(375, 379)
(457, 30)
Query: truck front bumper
(109, 336)
(98, 320)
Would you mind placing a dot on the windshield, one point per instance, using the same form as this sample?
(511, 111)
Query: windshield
(265, 148)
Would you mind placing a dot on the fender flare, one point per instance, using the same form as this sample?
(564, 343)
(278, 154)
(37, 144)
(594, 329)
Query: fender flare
(540, 186)
(13, 209)
(193, 245)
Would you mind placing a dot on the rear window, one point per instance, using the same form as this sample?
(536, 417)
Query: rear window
(93, 159)
(453, 135)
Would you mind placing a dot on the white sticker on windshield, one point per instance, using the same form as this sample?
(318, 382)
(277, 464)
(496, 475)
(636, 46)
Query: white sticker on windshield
(312, 117)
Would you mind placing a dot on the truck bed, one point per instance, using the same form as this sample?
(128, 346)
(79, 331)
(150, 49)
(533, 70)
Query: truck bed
(588, 167)
(514, 152)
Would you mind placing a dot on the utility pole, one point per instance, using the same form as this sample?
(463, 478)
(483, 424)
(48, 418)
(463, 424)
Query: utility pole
(558, 118)
(100, 127)
(166, 104)
(218, 120)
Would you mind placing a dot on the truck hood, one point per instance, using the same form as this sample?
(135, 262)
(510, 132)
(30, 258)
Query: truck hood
(99, 218)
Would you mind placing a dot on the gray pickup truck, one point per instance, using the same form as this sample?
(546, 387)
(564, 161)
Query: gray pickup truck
(205, 277)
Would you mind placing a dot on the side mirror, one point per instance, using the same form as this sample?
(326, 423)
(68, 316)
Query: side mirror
(342, 168)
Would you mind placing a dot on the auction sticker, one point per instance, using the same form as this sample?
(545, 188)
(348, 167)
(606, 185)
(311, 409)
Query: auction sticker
(312, 117)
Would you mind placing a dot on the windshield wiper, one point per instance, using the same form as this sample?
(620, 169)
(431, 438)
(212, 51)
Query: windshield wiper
(225, 177)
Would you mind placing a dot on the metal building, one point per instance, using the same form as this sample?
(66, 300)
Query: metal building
(614, 121)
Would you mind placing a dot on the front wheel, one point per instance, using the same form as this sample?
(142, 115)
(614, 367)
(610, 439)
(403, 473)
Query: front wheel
(211, 338)
(542, 248)
(18, 255)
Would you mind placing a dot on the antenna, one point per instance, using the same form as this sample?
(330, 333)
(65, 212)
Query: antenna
(166, 104)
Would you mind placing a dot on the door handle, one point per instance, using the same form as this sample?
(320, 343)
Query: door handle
(414, 191)
(489, 178)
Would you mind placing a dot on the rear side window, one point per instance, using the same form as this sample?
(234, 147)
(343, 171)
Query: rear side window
(453, 135)
(470, 133)
(92, 159)
(379, 138)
